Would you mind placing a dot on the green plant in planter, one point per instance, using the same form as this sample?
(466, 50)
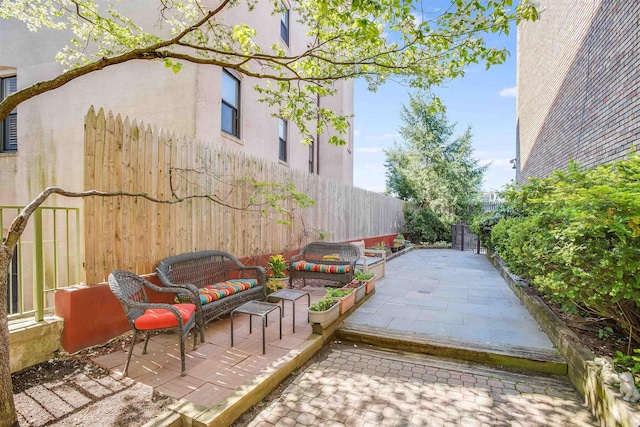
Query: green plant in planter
(277, 265)
(324, 304)
(363, 275)
(339, 292)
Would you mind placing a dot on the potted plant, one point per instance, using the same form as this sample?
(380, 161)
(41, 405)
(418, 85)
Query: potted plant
(274, 284)
(368, 277)
(277, 265)
(398, 243)
(346, 296)
(325, 311)
(359, 288)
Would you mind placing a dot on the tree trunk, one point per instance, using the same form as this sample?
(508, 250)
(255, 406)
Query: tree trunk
(8, 416)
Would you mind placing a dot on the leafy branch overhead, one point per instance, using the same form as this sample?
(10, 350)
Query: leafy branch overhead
(373, 39)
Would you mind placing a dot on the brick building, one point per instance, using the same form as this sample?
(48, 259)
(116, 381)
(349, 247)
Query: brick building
(578, 80)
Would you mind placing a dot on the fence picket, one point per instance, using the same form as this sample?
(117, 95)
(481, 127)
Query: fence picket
(135, 234)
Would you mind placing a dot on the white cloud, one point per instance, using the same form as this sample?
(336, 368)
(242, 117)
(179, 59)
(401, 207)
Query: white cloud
(369, 150)
(509, 92)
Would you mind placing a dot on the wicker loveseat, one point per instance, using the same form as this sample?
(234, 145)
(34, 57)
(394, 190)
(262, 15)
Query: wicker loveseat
(322, 260)
(218, 278)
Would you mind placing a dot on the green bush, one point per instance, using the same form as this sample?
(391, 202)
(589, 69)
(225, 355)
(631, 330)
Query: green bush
(578, 240)
(424, 226)
(482, 223)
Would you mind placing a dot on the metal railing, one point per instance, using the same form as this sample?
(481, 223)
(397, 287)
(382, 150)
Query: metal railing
(47, 257)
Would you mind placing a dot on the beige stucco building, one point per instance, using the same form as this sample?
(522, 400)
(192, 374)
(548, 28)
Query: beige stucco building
(46, 147)
(578, 80)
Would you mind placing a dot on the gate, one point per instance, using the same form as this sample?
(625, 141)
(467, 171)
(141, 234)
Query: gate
(464, 240)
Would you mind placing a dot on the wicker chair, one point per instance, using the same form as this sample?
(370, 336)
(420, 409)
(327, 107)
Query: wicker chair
(144, 316)
(319, 253)
(196, 270)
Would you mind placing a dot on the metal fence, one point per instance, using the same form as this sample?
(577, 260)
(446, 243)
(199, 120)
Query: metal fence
(464, 240)
(47, 257)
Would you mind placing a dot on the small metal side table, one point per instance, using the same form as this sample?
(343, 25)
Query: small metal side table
(257, 308)
(291, 295)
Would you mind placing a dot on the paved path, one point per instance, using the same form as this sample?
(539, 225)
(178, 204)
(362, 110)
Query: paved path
(450, 294)
(356, 387)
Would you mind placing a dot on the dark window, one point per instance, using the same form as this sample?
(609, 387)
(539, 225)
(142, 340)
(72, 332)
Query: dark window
(311, 158)
(12, 284)
(284, 25)
(283, 140)
(9, 130)
(230, 103)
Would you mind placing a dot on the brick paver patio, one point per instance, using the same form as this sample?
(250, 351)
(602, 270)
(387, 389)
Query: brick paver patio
(356, 387)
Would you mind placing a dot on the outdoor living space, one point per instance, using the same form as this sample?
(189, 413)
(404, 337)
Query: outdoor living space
(215, 369)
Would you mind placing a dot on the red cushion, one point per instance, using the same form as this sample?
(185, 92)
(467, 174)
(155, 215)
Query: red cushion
(157, 318)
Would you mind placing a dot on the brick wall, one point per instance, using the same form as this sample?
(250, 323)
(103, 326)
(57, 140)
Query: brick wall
(578, 83)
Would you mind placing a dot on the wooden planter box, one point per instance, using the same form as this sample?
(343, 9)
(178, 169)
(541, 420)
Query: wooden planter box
(347, 302)
(325, 318)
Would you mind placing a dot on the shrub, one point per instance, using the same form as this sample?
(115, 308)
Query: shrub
(482, 223)
(424, 226)
(579, 239)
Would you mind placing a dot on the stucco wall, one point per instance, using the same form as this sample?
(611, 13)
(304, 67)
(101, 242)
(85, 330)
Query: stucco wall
(50, 126)
(578, 76)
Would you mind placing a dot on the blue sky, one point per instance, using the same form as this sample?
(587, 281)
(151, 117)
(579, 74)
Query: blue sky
(483, 99)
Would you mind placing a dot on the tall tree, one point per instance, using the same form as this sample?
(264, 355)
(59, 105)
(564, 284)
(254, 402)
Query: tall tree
(373, 39)
(430, 167)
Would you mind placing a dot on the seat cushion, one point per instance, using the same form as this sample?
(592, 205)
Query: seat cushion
(320, 268)
(158, 318)
(224, 289)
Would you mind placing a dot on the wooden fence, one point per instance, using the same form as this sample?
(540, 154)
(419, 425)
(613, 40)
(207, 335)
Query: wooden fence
(134, 234)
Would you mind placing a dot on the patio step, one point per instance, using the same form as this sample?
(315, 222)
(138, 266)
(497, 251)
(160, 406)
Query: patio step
(521, 358)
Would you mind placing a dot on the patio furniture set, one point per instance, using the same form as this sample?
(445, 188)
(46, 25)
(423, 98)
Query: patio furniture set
(211, 284)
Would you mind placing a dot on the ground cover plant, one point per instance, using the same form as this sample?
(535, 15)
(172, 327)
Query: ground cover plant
(576, 237)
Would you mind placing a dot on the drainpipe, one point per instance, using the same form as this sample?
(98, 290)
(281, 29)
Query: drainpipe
(318, 137)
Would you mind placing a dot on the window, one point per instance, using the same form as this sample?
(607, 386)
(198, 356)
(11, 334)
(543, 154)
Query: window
(284, 24)
(9, 128)
(311, 158)
(230, 103)
(283, 140)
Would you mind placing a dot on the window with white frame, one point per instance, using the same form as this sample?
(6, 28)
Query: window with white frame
(282, 151)
(9, 126)
(284, 24)
(230, 120)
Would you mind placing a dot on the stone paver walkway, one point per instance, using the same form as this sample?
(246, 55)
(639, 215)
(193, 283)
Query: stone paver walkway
(450, 294)
(356, 387)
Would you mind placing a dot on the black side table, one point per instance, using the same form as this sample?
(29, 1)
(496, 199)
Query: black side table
(291, 295)
(257, 308)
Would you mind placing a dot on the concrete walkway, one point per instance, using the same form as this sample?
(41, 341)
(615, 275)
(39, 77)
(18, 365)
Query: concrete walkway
(450, 296)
